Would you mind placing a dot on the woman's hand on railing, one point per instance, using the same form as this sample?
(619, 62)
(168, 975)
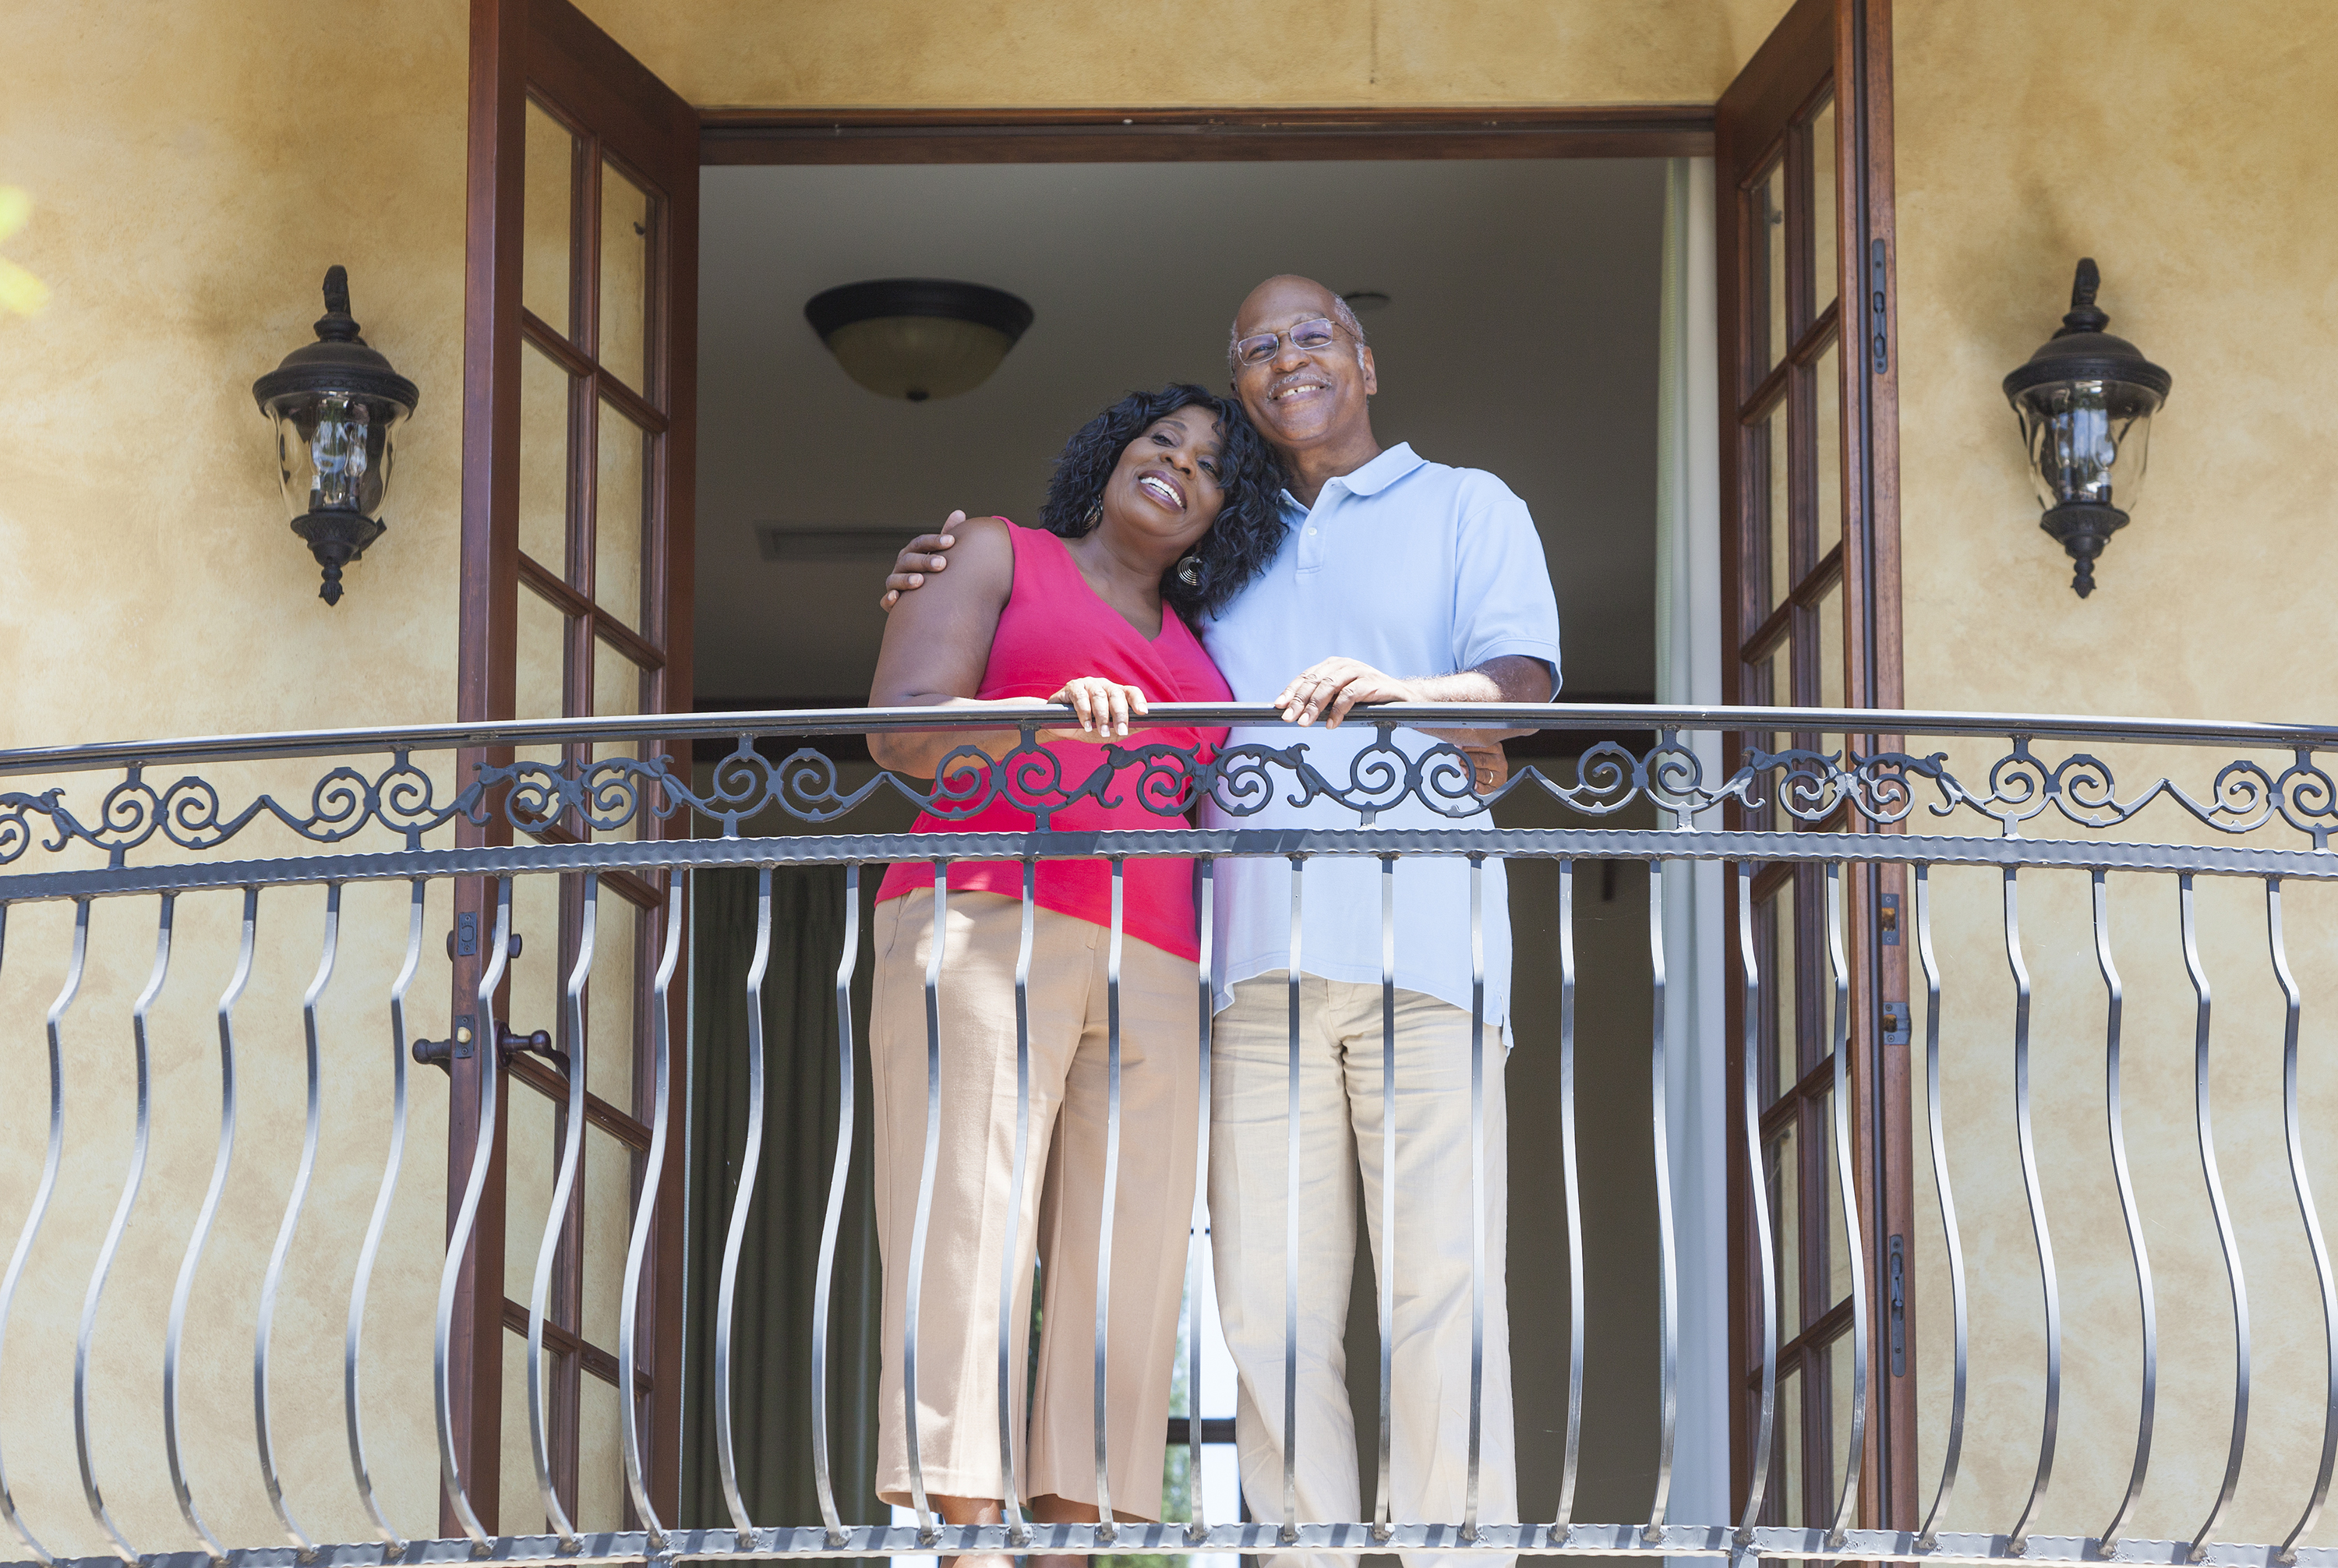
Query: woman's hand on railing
(1105, 708)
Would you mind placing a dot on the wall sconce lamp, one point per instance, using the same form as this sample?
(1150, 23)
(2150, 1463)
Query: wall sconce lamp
(333, 403)
(2085, 401)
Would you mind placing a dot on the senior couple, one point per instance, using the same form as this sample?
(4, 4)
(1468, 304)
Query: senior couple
(1258, 548)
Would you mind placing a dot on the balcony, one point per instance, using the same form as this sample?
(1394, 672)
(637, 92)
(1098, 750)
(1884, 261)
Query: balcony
(1989, 1299)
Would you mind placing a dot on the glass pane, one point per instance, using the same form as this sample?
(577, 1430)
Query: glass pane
(1772, 683)
(608, 1222)
(600, 1462)
(1770, 210)
(1787, 1483)
(1785, 1219)
(1839, 1392)
(1838, 1251)
(530, 1158)
(621, 502)
(1780, 982)
(1822, 214)
(624, 277)
(539, 667)
(535, 990)
(1770, 495)
(523, 1504)
(1831, 656)
(610, 1004)
(544, 460)
(616, 689)
(545, 242)
(599, 1456)
(1828, 466)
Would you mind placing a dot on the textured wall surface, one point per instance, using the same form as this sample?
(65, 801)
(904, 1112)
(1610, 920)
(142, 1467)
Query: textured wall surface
(194, 170)
(838, 53)
(2180, 146)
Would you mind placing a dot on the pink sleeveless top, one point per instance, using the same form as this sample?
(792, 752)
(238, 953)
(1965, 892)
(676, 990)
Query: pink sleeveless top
(1054, 628)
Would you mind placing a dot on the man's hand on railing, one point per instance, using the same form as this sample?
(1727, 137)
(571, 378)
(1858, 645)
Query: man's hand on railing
(1331, 688)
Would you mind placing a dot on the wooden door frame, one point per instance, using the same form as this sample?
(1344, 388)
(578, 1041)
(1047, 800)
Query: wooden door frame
(1856, 35)
(749, 136)
(856, 136)
(510, 43)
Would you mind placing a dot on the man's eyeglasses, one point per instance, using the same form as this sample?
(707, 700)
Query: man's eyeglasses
(1307, 336)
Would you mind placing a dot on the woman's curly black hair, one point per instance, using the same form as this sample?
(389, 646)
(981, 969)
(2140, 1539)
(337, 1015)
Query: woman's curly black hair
(1249, 525)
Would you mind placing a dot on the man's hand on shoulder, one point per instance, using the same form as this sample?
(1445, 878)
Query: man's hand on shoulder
(1331, 687)
(918, 557)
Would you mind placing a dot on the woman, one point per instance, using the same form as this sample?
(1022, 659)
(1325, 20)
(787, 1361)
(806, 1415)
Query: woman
(1161, 507)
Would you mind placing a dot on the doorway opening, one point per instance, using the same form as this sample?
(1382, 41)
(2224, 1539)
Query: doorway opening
(1516, 330)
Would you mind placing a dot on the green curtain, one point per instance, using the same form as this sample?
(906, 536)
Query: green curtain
(770, 1341)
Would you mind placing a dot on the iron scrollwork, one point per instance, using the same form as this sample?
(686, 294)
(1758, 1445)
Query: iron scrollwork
(607, 795)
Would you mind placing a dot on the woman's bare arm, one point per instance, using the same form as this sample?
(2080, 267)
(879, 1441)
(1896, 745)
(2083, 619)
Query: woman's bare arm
(937, 645)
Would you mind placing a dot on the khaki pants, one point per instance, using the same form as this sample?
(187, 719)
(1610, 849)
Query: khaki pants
(1061, 1209)
(1340, 1133)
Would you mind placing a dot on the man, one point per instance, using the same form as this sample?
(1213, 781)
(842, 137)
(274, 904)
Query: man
(1392, 564)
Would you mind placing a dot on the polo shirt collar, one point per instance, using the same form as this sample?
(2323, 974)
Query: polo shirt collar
(1374, 476)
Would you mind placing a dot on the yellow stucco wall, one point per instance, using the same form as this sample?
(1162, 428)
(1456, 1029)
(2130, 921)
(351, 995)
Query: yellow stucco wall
(2181, 147)
(906, 53)
(193, 170)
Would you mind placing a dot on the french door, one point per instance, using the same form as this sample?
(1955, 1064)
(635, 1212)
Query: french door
(579, 370)
(1802, 146)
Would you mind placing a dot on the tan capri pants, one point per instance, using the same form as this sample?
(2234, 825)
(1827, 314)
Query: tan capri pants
(1339, 1131)
(1062, 1208)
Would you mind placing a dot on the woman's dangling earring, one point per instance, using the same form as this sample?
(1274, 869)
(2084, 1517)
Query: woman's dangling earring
(1094, 519)
(1189, 570)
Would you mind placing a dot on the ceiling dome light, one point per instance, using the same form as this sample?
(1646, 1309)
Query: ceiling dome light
(918, 338)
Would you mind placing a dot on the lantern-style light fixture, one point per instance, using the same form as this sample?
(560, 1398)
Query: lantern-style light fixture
(2085, 401)
(333, 403)
(918, 338)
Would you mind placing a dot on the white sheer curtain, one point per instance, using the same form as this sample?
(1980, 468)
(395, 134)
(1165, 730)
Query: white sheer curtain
(1688, 670)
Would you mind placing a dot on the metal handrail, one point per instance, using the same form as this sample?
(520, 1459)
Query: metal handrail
(1554, 716)
(1657, 767)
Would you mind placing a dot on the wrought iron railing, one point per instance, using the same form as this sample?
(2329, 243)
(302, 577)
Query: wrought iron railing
(2013, 794)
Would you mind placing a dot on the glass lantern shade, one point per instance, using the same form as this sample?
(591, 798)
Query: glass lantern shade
(2085, 401)
(2089, 440)
(334, 403)
(333, 452)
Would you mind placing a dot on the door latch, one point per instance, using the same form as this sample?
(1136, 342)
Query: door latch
(463, 941)
(1897, 1026)
(444, 1054)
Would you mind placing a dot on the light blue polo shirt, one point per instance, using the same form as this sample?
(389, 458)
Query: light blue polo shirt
(1416, 569)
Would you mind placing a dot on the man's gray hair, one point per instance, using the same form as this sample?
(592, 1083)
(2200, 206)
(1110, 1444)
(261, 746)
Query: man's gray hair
(1341, 313)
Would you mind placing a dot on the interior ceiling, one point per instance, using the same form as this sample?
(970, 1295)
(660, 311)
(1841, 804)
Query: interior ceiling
(1521, 337)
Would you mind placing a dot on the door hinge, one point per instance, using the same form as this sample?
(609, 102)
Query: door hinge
(1898, 1266)
(1886, 920)
(1896, 1024)
(1878, 354)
